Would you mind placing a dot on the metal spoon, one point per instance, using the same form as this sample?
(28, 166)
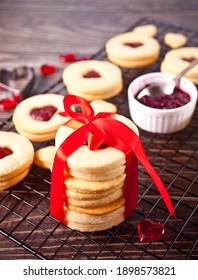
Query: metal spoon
(162, 88)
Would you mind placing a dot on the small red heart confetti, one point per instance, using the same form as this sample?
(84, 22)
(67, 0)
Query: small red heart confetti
(9, 97)
(150, 230)
(71, 57)
(47, 69)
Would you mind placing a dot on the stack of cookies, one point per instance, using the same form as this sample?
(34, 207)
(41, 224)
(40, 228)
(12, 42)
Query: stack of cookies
(94, 184)
(93, 79)
(132, 49)
(16, 157)
(36, 117)
(178, 59)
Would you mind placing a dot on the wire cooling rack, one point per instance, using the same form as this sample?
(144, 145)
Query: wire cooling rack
(27, 229)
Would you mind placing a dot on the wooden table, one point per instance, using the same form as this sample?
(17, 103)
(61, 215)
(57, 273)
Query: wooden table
(33, 33)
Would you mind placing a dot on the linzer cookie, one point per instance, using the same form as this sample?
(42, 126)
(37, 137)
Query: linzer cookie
(83, 195)
(132, 50)
(93, 79)
(178, 59)
(37, 117)
(16, 157)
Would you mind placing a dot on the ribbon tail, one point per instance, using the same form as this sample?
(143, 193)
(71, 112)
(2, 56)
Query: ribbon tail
(129, 137)
(140, 154)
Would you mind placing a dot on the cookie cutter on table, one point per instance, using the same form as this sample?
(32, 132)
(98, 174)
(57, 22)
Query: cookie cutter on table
(21, 79)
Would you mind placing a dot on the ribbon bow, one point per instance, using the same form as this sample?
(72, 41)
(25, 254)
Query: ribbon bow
(95, 131)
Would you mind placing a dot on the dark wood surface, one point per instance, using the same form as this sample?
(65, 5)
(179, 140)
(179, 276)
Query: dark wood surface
(36, 32)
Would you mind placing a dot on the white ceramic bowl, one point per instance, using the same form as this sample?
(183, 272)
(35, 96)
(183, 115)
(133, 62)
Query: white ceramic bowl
(161, 120)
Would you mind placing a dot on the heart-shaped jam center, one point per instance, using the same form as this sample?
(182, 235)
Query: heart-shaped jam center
(4, 152)
(133, 45)
(188, 59)
(92, 74)
(44, 113)
(150, 230)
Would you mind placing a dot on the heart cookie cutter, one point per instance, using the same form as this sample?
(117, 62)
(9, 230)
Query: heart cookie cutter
(15, 84)
(21, 78)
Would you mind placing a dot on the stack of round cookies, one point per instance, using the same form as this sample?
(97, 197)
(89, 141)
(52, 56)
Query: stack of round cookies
(94, 184)
(93, 79)
(16, 157)
(132, 50)
(178, 59)
(36, 117)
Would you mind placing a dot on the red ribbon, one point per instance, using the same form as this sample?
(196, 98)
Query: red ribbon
(97, 130)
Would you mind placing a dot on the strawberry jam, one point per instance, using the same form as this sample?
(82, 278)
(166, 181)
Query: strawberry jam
(133, 45)
(44, 113)
(92, 74)
(4, 152)
(177, 99)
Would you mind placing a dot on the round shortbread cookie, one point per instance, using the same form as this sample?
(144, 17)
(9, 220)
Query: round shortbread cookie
(14, 180)
(163, 68)
(96, 227)
(75, 194)
(21, 157)
(85, 161)
(94, 162)
(108, 175)
(36, 137)
(23, 120)
(101, 210)
(44, 157)
(86, 186)
(133, 63)
(87, 219)
(90, 97)
(132, 47)
(105, 200)
(149, 30)
(175, 40)
(176, 60)
(109, 79)
(103, 106)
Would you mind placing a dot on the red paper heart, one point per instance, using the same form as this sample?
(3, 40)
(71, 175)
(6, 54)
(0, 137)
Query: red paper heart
(72, 57)
(47, 69)
(9, 97)
(150, 230)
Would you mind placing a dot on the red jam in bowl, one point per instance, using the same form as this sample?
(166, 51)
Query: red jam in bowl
(4, 152)
(44, 113)
(177, 99)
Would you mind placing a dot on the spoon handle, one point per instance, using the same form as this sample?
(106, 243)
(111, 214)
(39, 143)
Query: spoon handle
(191, 65)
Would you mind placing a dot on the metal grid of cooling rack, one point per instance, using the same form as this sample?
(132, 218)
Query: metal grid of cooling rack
(27, 227)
